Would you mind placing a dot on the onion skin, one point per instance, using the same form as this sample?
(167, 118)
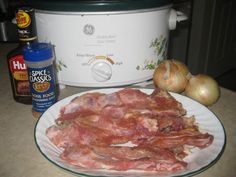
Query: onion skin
(203, 89)
(181, 67)
(171, 75)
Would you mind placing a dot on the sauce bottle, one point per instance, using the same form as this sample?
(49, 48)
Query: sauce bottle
(17, 69)
(39, 58)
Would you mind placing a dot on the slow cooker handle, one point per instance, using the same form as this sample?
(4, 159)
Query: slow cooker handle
(176, 16)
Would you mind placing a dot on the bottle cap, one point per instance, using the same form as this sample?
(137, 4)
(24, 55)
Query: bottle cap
(38, 52)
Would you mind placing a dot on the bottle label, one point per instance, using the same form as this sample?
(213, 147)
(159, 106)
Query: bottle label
(42, 84)
(19, 76)
(23, 19)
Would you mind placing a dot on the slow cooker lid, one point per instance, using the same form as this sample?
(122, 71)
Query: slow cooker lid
(96, 5)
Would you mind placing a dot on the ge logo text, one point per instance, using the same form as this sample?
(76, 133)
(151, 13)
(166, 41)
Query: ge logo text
(89, 29)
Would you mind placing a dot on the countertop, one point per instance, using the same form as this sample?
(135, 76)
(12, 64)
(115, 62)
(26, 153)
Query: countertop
(19, 155)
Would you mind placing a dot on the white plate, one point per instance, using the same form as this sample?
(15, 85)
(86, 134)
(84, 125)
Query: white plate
(198, 161)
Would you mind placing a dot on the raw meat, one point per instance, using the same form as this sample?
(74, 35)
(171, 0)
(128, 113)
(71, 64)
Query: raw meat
(92, 127)
(158, 103)
(123, 158)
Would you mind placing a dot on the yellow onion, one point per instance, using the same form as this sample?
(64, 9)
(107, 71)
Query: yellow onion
(171, 75)
(203, 89)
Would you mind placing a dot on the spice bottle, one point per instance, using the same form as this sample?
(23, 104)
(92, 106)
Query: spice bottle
(39, 59)
(17, 69)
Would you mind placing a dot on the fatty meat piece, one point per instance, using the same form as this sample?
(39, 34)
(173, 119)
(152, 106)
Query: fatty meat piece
(159, 103)
(123, 159)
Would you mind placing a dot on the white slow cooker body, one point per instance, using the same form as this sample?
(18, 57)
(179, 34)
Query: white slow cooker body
(105, 49)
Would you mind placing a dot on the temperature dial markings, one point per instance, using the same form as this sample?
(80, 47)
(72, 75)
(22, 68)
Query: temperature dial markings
(101, 57)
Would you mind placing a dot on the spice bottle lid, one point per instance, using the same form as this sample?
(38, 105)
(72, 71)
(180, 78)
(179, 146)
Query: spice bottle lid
(37, 52)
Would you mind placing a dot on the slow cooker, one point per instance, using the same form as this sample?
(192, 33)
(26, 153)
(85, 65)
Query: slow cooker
(106, 43)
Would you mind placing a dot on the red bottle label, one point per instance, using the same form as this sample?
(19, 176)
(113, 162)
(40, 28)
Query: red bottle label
(18, 71)
(17, 63)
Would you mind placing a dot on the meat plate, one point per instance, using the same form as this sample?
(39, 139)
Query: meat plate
(198, 160)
